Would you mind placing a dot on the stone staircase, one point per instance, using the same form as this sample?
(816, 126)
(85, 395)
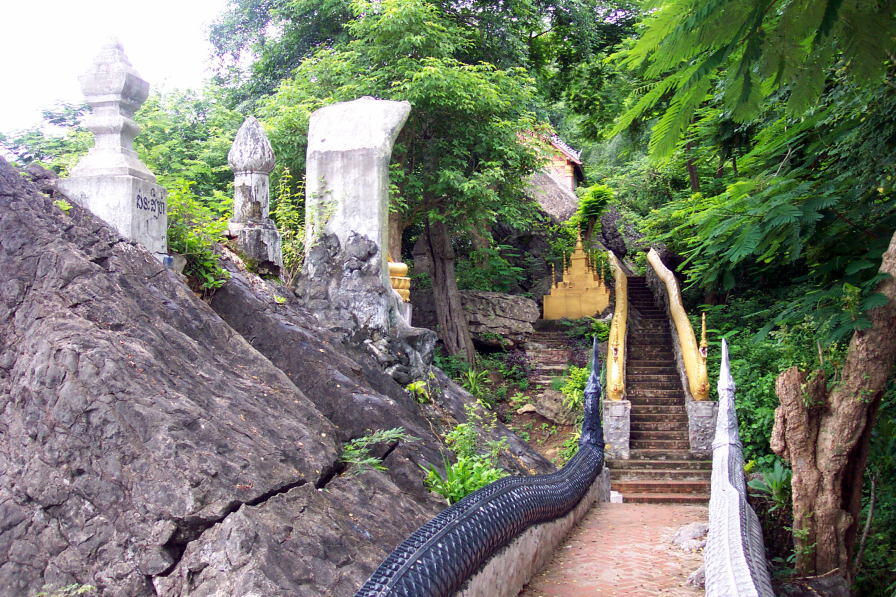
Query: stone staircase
(661, 468)
(549, 353)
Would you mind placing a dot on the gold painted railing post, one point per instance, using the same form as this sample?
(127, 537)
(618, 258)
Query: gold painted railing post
(616, 344)
(694, 356)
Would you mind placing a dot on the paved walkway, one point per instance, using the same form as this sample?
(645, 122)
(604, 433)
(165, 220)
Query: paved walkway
(624, 550)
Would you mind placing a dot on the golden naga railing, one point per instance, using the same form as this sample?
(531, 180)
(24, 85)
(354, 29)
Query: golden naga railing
(694, 356)
(616, 343)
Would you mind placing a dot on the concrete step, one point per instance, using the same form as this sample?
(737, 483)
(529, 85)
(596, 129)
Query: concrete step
(660, 425)
(648, 433)
(659, 444)
(648, 464)
(664, 406)
(642, 390)
(665, 498)
(659, 408)
(652, 370)
(660, 475)
(660, 454)
(661, 486)
(659, 380)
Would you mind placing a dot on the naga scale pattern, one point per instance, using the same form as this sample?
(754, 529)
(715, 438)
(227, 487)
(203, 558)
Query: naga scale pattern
(734, 557)
(439, 557)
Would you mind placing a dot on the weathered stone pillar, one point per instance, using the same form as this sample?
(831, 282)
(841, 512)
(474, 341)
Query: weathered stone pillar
(110, 180)
(252, 160)
(345, 277)
(347, 177)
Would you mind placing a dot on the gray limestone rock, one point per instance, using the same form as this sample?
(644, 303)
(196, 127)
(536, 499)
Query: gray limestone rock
(692, 536)
(148, 447)
(697, 578)
(342, 287)
(496, 319)
(549, 404)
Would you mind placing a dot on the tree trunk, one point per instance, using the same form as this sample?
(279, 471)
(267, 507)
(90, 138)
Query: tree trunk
(825, 433)
(453, 328)
(692, 171)
(396, 230)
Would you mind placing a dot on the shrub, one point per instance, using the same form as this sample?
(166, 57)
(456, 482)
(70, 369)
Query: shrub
(356, 453)
(193, 230)
(775, 484)
(476, 460)
(573, 387)
(288, 211)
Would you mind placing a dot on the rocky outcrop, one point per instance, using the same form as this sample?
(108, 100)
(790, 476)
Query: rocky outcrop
(149, 448)
(496, 320)
(343, 287)
(553, 196)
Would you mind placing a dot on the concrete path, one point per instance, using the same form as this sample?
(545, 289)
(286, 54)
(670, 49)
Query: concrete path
(624, 550)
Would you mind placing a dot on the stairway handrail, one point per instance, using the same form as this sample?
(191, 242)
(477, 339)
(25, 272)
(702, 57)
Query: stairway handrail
(618, 329)
(694, 355)
(734, 557)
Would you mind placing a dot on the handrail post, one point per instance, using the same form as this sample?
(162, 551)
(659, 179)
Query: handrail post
(617, 410)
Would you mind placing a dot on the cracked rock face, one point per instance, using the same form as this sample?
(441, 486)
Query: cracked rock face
(148, 448)
(134, 420)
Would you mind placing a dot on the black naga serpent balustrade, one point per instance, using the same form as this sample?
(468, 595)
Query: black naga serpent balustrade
(439, 557)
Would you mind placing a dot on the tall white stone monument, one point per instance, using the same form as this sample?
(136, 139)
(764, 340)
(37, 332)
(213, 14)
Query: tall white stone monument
(110, 180)
(252, 160)
(347, 171)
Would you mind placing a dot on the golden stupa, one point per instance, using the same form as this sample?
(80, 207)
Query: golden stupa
(581, 293)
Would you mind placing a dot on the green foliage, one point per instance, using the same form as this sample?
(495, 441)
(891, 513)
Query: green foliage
(476, 460)
(357, 452)
(592, 203)
(419, 390)
(462, 477)
(459, 157)
(193, 230)
(63, 205)
(288, 212)
(489, 269)
(745, 52)
(569, 448)
(58, 143)
(586, 328)
(775, 484)
(453, 365)
(185, 135)
(574, 387)
(68, 591)
(877, 575)
(757, 358)
(474, 382)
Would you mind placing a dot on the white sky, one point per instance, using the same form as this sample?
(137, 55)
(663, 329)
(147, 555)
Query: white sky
(46, 44)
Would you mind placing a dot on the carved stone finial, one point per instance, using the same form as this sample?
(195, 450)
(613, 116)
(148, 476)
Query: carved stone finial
(251, 151)
(114, 91)
(252, 159)
(110, 180)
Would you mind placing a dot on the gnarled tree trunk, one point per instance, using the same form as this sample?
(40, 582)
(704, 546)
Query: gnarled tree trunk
(824, 433)
(453, 327)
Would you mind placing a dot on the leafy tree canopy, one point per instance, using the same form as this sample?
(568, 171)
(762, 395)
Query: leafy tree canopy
(744, 52)
(460, 156)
